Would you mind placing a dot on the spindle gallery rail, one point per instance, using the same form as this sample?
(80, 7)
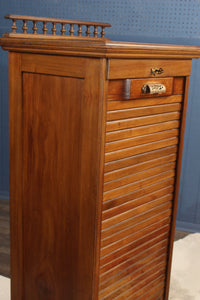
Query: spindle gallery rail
(72, 33)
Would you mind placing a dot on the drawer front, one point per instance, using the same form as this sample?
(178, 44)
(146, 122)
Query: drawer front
(149, 87)
(141, 68)
(126, 89)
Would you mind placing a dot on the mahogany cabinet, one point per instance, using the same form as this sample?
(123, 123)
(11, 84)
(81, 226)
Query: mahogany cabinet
(96, 137)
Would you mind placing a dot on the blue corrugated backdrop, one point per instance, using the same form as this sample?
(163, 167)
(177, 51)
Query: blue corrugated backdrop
(154, 21)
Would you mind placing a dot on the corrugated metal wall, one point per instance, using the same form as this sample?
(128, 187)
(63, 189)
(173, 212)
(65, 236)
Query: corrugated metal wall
(158, 21)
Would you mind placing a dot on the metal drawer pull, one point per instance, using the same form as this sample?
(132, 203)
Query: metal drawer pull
(153, 88)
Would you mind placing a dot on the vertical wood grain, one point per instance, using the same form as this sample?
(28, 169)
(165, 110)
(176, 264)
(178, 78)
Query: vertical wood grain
(52, 127)
(176, 191)
(92, 163)
(103, 86)
(58, 148)
(15, 161)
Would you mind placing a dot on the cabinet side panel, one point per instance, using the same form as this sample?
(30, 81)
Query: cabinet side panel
(56, 127)
(15, 162)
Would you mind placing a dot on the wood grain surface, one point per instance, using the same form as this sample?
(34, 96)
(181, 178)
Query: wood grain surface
(140, 168)
(95, 167)
(55, 194)
(108, 49)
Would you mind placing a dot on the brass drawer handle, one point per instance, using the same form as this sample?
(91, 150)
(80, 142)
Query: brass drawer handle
(153, 88)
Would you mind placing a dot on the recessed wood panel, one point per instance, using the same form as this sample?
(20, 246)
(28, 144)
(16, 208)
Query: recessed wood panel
(57, 235)
(51, 181)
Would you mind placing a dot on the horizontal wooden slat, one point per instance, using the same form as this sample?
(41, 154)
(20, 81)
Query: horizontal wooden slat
(129, 239)
(128, 184)
(135, 268)
(131, 200)
(144, 285)
(127, 227)
(116, 155)
(121, 211)
(144, 218)
(130, 226)
(140, 158)
(143, 130)
(140, 68)
(110, 280)
(139, 167)
(117, 257)
(138, 247)
(125, 181)
(126, 104)
(143, 111)
(140, 140)
(137, 283)
(157, 292)
(138, 185)
(147, 120)
(137, 276)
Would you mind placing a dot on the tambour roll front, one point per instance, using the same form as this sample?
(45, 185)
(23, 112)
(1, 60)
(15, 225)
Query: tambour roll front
(96, 138)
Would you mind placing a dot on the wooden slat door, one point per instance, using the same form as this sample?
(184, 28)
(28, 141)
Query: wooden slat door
(142, 142)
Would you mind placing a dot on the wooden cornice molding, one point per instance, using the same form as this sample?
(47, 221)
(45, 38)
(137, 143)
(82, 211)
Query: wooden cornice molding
(97, 48)
(82, 40)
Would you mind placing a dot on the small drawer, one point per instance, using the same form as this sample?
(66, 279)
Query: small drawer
(128, 89)
(147, 68)
(151, 87)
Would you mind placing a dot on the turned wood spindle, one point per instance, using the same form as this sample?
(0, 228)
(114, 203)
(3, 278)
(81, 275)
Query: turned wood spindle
(71, 29)
(54, 28)
(88, 30)
(68, 28)
(35, 27)
(63, 30)
(14, 26)
(103, 32)
(25, 27)
(95, 31)
(45, 28)
(79, 30)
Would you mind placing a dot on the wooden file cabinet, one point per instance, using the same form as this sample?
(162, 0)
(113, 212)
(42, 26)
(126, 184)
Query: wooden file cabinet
(95, 162)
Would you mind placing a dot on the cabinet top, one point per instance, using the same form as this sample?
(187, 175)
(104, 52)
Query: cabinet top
(82, 39)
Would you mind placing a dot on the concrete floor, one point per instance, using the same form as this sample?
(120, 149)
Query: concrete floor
(185, 274)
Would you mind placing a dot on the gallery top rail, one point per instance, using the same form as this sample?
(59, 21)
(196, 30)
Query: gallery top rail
(79, 33)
